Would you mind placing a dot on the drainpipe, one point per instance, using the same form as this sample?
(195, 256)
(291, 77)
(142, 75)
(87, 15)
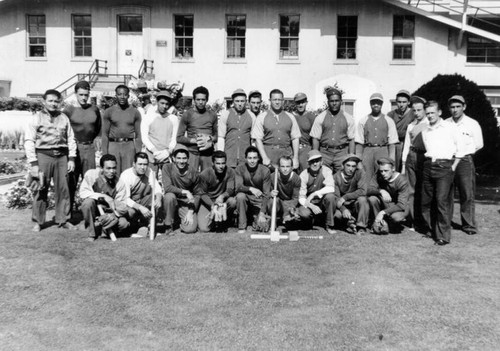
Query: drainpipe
(464, 24)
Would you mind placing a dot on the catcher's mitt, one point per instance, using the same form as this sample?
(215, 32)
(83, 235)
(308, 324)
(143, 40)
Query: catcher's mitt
(106, 221)
(351, 225)
(261, 223)
(218, 213)
(35, 183)
(292, 215)
(381, 227)
(204, 141)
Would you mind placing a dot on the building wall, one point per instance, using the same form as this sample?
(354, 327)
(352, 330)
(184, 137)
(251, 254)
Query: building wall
(435, 49)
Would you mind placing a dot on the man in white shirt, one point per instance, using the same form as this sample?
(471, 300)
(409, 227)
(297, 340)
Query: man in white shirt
(471, 139)
(159, 129)
(443, 153)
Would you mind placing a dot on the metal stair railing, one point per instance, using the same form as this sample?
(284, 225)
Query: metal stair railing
(97, 67)
(147, 67)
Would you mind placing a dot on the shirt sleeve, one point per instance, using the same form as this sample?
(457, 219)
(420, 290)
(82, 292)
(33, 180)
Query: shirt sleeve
(137, 129)
(29, 139)
(295, 132)
(303, 187)
(359, 133)
(406, 146)
(317, 127)
(166, 177)
(106, 125)
(222, 128)
(181, 138)
(258, 128)
(351, 126)
(86, 190)
(146, 122)
(71, 139)
(477, 134)
(175, 128)
(403, 189)
(393, 137)
(329, 183)
(151, 179)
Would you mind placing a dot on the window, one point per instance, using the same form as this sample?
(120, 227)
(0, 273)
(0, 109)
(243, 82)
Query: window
(130, 24)
(82, 35)
(236, 30)
(347, 34)
(289, 36)
(36, 36)
(184, 25)
(403, 37)
(480, 49)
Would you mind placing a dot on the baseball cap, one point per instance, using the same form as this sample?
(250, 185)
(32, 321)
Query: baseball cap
(403, 92)
(163, 93)
(386, 160)
(180, 147)
(254, 93)
(333, 91)
(458, 98)
(415, 99)
(300, 97)
(376, 96)
(313, 154)
(238, 92)
(351, 157)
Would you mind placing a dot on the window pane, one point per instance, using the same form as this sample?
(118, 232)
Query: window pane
(404, 26)
(403, 51)
(130, 24)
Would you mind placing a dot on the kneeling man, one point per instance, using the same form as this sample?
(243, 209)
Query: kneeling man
(217, 191)
(102, 186)
(388, 195)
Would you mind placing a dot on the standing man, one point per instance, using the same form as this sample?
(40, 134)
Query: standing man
(442, 156)
(333, 132)
(276, 132)
(255, 102)
(253, 185)
(317, 192)
(350, 191)
(85, 121)
(139, 181)
(471, 138)
(305, 120)
(102, 186)
(51, 150)
(159, 130)
(180, 183)
(235, 127)
(200, 125)
(121, 130)
(217, 185)
(388, 195)
(402, 117)
(413, 157)
(375, 136)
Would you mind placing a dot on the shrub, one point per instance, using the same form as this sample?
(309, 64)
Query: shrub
(20, 104)
(11, 167)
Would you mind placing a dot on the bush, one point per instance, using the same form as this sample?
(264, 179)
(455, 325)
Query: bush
(12, 167)
(20, 104)
(442, 87)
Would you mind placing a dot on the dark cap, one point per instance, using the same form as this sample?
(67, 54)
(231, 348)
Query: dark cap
(416, 99)
(386, 161)
(254, 93)
(404, 93)
(238, 92)
(351, 157)
(300, 97)
(333, 91)
(458, 98)
(180, 147)
(376, 96)
(163, 93)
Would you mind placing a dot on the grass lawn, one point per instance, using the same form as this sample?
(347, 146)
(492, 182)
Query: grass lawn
(226, 291)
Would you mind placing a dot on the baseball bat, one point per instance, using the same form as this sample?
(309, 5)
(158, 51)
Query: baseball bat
(110, 232)
(273, 212)
(152, 222)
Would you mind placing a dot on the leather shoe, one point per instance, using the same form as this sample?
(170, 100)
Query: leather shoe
(469, 231)
(67, 225)
(36, 228)
(441, 242)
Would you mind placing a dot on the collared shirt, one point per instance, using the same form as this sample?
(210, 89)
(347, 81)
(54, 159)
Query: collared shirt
(47, 132)
(159, 132)
(235, 128)
(92, 186)
(402, 121)
(376, 130)
(333, 130)
(305, 122)
(138, 186)
(275, 129)
(470, 134)
(442, 141)
(322, 183)
(414, 137)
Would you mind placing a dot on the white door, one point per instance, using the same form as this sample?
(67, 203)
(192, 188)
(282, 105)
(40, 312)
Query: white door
(130, 44)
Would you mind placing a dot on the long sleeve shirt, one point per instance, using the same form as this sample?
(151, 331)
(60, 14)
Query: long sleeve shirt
(399, 189)
(45, 132)
(174, 182)
(414, 137)
(193, 123)
(120, 122)
(159, 132)
(442, 141)
(259, 179)
(289, 188)
(321, 183)
(378, 131)
(94, 185)
(213, 185)
(85, 121)
(138, 186)
(333, 130)
(350, 188)
(470, 134)
(402, 121)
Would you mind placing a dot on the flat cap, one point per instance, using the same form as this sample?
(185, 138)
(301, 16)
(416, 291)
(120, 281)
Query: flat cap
(313, 154)
(351, 157)
(163, 93)
(333, 91)
(299, 97)
(403, 92)
(238, 92)
(458, 98)
(180, 147)
(254, 93)
(386, 161)
(416, 99)
(376, 96)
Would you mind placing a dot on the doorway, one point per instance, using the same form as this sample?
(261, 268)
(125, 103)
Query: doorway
(129, 43)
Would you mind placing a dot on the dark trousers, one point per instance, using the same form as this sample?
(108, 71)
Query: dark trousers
(359, 208)
(124, 151)
(135, 216)
(333, 157)
(205, 223)
(303, 154)
(437, 196)
(327, 205)
(274, 152)
(377, 205)
(90, 213)
(399, 155)
(414, 173)
(56, 168)
(247, 206)
(85, 160)
(201, 160)
(172, 206)
(370, 156)
(465, 182)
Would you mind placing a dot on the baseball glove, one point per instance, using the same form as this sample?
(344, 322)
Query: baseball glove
(261, 223)
(106, 221)
(381, 228)
(204, 141)
(35, 183)
(351, 225)
(291, 216)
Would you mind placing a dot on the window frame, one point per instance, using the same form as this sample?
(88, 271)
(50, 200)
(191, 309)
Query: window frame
(29, 37)
(235, 38)
(183, 37)
(289, 38)
(347, 38)
(83, 37)
(400, 42)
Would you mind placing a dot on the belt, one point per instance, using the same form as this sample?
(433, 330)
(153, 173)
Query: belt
(439, 159)
(417, 150)
(53, 152)
(375, 145)
(301, 146)
(277, 146)
(84, 142)
(120, 140)
(338, 147)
